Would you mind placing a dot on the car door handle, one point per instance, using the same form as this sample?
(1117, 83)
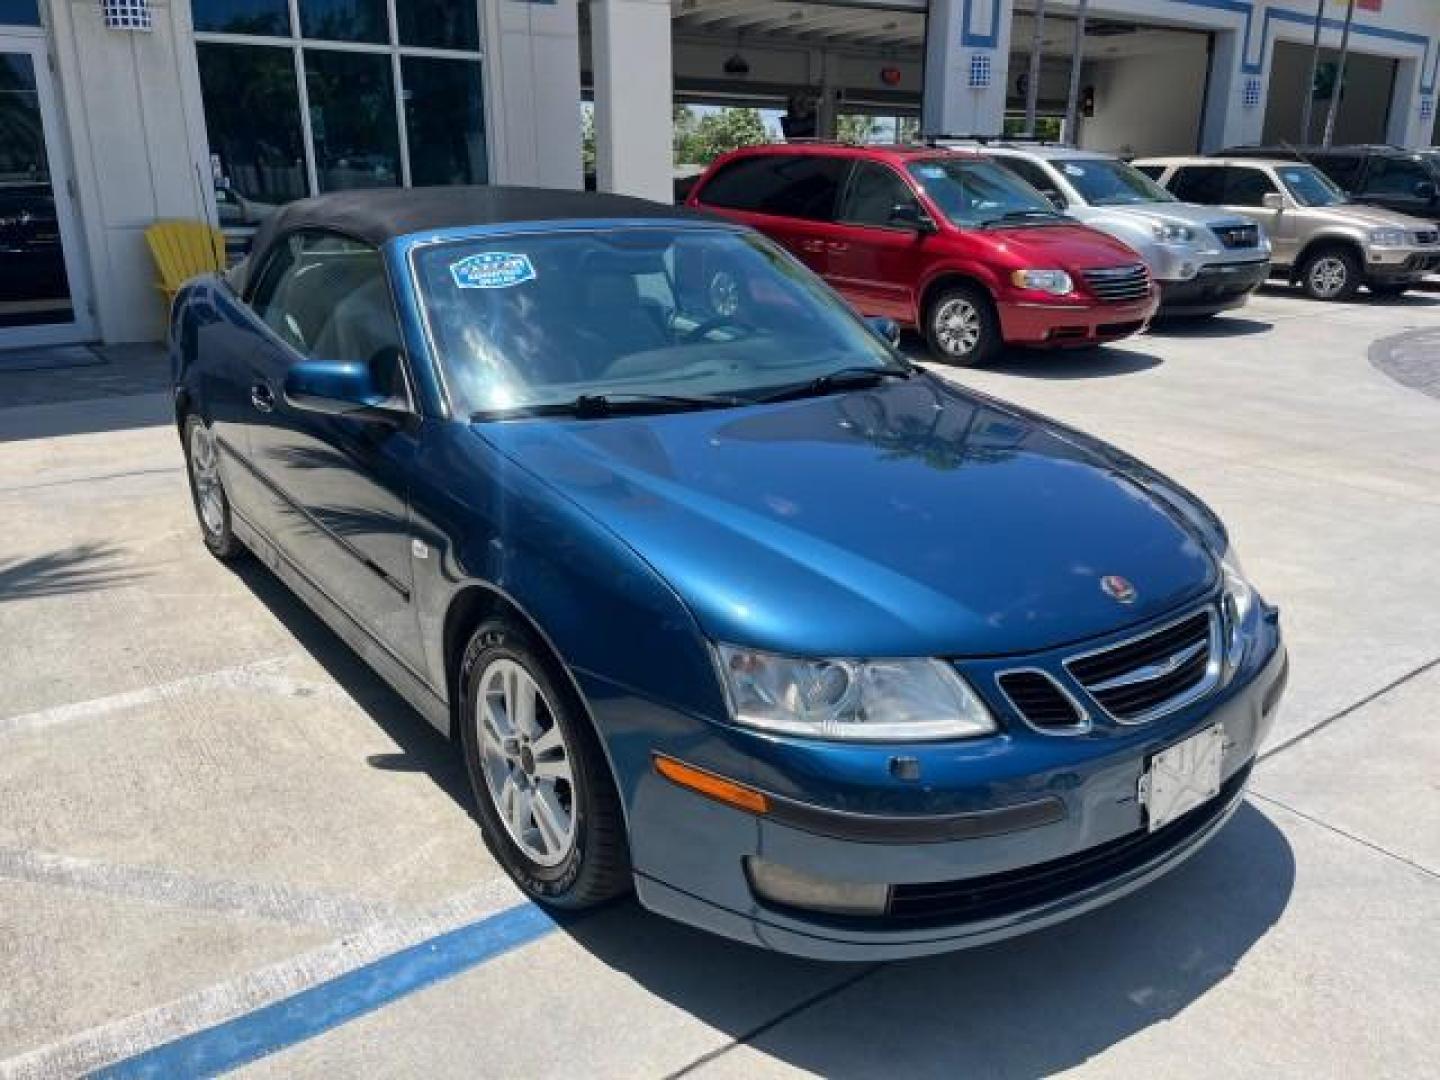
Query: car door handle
(836, 246)
(262, 397)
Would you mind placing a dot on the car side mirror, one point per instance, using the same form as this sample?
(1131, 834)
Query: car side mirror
(1272, 200)
(907, 215)
(1425, 189)
(887, 330)
(340, 388)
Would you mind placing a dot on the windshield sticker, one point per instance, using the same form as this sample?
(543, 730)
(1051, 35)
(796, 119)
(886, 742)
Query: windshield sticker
(1073, 170)
(492, 270)
(932, 172)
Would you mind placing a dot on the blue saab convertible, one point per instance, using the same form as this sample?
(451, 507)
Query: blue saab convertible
(725, 601)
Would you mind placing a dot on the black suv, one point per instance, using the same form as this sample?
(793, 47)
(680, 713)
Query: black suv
(1387, 176)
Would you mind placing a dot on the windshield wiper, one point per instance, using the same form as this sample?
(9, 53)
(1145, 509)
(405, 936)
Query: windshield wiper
(846, 378)
(1022, 215)
(593, 406)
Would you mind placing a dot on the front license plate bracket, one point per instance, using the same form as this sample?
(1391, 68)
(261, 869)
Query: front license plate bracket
(1181, 777)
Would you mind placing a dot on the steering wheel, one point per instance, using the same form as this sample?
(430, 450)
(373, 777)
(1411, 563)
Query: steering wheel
(713, 323)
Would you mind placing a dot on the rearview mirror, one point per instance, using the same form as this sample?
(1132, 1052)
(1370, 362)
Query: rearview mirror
(337, 388)
(1058, 201)
(1273, 200)
(887, 330)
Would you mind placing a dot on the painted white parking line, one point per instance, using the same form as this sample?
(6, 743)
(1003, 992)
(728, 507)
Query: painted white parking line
(89, 1050)
(153, 885)
(257, 675)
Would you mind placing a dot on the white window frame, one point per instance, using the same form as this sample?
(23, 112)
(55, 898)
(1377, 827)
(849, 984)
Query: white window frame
(391, 48)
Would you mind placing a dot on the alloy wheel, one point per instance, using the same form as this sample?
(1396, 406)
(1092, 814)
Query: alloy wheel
(526, 762)
(1328, 276)
(958, 326)
(205, 472)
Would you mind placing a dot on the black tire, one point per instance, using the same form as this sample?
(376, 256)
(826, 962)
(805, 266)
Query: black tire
(213, 517)
(1331, 273)
(596, 866)
(1389, 290)
(946, 336)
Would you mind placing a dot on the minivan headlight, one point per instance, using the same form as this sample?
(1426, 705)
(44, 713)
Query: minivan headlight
(1388, 237)
(1238, 599)
(1056, 282)
(872, 700)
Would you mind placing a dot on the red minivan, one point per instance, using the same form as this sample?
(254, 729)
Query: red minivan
(941, 240)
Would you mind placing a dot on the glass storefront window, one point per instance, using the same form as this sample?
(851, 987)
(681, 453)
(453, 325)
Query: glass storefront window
(20, 12)
(263, 17)
(316, 103)
(438, 24)
(345, 20)
(444, 120)
(352, 119)
(252, 110)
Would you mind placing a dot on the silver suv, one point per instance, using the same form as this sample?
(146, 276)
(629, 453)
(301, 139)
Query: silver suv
(1328, 244)
(1205, 262)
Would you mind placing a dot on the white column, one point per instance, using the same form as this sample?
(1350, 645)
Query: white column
(967, 59)
(532, 84)
(630, 41)
(1235, 98)
(1407, 126)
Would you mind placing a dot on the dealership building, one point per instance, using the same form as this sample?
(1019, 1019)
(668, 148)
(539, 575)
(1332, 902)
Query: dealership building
(117, 113)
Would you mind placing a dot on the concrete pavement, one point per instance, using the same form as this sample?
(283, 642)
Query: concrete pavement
(208, 805)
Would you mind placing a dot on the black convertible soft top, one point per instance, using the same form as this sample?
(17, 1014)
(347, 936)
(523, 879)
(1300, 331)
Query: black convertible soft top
(376, 215)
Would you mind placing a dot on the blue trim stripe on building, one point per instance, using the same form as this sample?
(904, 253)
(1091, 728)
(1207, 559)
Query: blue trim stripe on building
(330, 1004)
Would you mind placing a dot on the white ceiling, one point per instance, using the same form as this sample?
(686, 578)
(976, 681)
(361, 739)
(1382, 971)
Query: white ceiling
(900, 25)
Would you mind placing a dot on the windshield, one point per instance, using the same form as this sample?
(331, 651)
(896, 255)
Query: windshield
(973, 193)
(1102, 182)
(1308, 186)
(522, 322)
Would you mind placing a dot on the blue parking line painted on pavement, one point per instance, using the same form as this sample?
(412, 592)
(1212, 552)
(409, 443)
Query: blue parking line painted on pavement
(330, 1004)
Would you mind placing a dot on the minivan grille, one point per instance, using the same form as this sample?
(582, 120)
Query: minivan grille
(1237, 236)
(1039, 700)
(1145, 677)
(1119, 284)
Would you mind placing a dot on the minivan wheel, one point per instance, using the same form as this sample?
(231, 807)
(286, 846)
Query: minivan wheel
(1330, 274)
(548, 806)
(207, 490)
(961, 327)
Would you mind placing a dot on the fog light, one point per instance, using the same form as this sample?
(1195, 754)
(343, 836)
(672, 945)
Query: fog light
(789, 887)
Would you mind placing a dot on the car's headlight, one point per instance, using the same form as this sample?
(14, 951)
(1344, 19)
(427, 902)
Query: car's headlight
(1238, 599)
(1171, 232)
(1056, 282)
(850, 699)
(1388, 237)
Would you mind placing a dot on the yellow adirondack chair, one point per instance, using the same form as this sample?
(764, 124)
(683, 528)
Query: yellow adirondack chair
(183, 249)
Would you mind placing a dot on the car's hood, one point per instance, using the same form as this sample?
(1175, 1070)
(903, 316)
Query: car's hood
(1186, 213)
(1069, 246)
(911, 519)
(1359, 214)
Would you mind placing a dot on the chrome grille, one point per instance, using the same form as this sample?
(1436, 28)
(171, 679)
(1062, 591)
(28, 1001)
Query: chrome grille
(1237, 236)
(1425, 237)
(1156, 673)
(1118, 284)
(1041, 701)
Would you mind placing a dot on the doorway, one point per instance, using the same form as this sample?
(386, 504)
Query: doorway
(44, 299)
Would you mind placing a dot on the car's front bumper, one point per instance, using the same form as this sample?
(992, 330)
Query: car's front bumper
(1401, 264)
(1215, 287)
(1074, 324)
(689, 851)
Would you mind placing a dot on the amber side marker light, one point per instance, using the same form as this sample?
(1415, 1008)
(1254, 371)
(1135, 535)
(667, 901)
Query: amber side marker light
(712, 786)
